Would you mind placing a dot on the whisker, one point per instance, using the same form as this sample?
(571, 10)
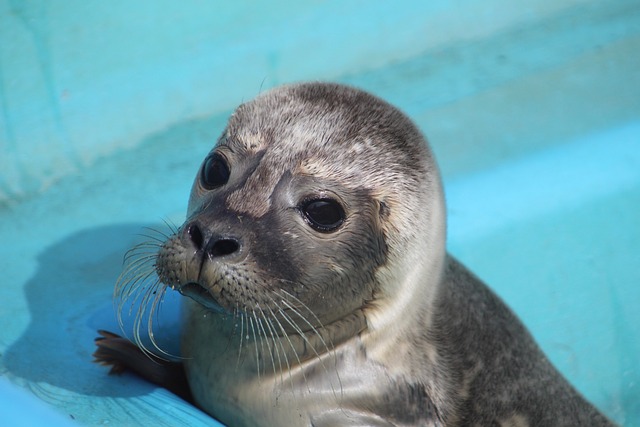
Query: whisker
(316, 332)
(163, 236)
(132, 267)
(139, 288)
(135, 249)
(284, 352)
(242, 333)
(134, 289)
(265, 338)
(290, 321)
(170, 225)
(155, 307)
(311, 327)
(155, 239)
(255, 342)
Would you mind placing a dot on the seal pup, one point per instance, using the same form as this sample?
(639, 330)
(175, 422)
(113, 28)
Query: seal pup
(319, 291)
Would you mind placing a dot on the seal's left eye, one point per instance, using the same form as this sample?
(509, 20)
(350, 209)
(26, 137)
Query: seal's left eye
(324, 215)
(215, 172)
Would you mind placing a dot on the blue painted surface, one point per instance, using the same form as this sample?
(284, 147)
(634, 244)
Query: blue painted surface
(106, 111)
(20, 409)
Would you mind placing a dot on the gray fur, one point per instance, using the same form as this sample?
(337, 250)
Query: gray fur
(373, 324)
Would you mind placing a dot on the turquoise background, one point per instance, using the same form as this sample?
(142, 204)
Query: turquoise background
(107, 109)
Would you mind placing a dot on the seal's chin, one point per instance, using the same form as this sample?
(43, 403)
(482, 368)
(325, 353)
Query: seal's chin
(200, 295)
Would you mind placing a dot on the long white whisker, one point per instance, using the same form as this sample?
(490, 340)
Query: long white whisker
(299, 330)
(291, 323)
(316, 332)
(242, 338)
(280, 342)
(275, 349)
(255, 342)
(139, 287)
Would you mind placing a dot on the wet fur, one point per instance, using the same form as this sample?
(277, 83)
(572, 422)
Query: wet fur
(373, 324)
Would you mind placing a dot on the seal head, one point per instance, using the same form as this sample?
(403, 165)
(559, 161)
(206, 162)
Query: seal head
(318, 192)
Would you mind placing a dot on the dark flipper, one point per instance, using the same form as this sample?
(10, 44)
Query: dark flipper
(122, 355)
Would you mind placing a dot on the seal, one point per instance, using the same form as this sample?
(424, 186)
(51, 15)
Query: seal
(319, 290)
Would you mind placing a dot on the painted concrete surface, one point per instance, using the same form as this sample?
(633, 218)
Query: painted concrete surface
(80, 80)
(534, 115)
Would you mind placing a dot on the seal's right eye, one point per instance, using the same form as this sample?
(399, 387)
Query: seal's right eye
(323, 215)
(215, 172)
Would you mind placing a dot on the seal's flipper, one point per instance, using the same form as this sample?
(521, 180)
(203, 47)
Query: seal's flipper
(121, 355)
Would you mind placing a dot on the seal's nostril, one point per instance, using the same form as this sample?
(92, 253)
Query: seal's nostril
(222, 247)
(196, 235)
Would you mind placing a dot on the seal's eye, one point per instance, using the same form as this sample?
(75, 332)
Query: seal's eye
(215, 172)
(324, 215)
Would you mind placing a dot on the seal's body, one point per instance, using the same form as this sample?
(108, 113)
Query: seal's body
(320, 289)
(476, 365)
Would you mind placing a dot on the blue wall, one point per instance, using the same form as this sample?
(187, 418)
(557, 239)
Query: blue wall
(80, 80)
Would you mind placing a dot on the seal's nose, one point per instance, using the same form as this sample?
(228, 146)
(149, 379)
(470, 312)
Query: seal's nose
(195, 234)
(215, 246)
(221, 247)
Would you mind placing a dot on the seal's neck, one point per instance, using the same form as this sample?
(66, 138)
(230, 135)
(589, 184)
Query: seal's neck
(262, 349)
(407, 285)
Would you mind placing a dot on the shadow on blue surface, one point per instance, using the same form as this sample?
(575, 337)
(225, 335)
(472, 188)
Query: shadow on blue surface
(66, 305)
(69, 298)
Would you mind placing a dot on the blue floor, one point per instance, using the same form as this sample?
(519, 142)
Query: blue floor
(536, 127)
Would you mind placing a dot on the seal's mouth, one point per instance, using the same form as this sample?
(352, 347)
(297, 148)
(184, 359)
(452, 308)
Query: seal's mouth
(199, 294)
